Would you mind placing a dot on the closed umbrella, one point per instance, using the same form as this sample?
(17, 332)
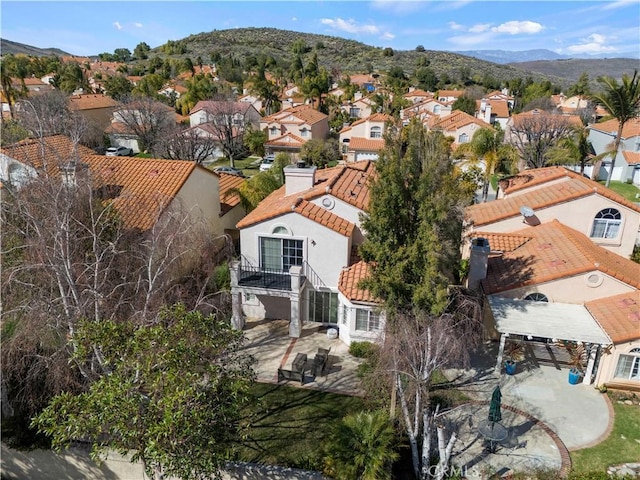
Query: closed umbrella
(495, 415)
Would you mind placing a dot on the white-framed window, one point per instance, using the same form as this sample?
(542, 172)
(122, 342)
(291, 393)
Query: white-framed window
(344, 315)
(606, 223)
(304, 132)
(280, 254)
(536, 297)
(367, 320)
(273, 131)
(628, 367)
(354, 112)
(463, 138)
(436, 109)
(375, 132)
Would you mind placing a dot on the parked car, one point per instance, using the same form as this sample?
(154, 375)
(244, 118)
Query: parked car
(267, 162)
(118, 152)
(229, 170)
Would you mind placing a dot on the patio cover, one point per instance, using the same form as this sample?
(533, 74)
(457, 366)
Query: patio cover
(561, 321)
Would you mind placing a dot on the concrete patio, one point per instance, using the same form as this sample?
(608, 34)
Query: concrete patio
(269, 342)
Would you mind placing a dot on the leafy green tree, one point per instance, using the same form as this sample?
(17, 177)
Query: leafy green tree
(71, 77)
(581, 87)
(7, 71)
(187, 66)
(414, 221)
(622, 101)
(141, 52)
(199, 87)
(387, 52)
(426, 78)
(122, 55)
(320, 152)
(257, 188)
(172, 393)
(118, 87)
(420, 48)
(149, 85)
(362, 447)
(314, 87)
(255, 140)
(299, 47)
(465, 104)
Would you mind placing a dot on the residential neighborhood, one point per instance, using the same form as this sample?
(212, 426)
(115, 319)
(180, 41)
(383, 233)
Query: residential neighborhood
(212, 265)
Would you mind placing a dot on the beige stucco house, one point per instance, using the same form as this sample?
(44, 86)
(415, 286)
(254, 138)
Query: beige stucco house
(459, 125)
(287, 130)
(363, 139)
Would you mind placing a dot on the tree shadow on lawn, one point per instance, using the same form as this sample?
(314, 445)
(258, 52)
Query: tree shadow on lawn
(288, 425)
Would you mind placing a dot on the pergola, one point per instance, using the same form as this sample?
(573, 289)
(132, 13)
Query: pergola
(557, 321)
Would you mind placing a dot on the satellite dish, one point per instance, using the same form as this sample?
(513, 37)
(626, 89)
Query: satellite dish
(527, 212)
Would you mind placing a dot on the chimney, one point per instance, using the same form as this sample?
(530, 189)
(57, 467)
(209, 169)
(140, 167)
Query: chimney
(298, 178)
(478, 262)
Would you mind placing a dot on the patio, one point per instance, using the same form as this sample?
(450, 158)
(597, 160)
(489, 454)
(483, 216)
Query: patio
(269, 342)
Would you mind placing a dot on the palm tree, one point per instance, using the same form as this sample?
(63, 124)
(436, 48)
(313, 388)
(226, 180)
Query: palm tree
(576, 149)
(487, 147)
(622, 101)
(362, 447)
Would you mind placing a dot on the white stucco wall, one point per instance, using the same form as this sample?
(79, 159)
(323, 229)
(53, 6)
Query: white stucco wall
(347, 323)
(16, 173)
(326, 251)
(201, 198)
(609, 362)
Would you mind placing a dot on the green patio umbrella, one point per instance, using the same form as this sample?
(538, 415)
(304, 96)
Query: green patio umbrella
(494, 408)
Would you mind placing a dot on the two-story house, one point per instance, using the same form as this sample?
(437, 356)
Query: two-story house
(428, 111)
(602, 136)
(551, 257)
(493, 111)
(287, 130)
(459, 125)
(298, 259)
(359, 107)
(209, 111)
(363, 139)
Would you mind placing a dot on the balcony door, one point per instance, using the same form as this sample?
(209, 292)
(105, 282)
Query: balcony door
(279, 254)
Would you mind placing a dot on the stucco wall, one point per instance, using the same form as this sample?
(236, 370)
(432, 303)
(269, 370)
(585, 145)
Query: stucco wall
(325, 250)
(579, 215)
(575, 290)
(609, 362)
(200, 197)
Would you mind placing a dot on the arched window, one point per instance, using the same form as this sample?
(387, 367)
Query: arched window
(304, 133)
(628, 366)
(606, 224)
(376, 132)
(537, 297)
(280, 230)
(464, 138)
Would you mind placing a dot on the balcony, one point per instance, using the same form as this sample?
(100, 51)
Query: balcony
(250, 276)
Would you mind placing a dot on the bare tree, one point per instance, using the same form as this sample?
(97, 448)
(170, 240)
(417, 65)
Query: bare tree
(534, 133)
(148, 119)
(418, 345)
(228, 120)
(193, 144)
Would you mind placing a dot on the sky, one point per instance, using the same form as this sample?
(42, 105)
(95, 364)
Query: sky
(574, 28)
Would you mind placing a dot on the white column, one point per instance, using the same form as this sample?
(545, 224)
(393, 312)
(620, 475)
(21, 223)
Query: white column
(237, 318)
(593, 350)
(503, 339)
(295, 324)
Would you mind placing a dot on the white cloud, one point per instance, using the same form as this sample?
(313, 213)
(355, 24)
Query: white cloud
(293, 19)
(117, 25)
(349, 26)
(514, 27)
(455, 26)
(397, 7)
(138, 25)
(471, 40)
(619, 4)
(388, 36)
(594, 43)
(480, 27)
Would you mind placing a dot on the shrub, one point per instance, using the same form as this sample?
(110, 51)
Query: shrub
(362, 349)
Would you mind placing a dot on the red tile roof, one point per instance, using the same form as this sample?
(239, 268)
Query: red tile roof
(458, 119)
(632, 158)
(555, 117)
(630, 129)
(349, 280)
(228, 197)
(553, 251)
(287, 140)
(573, 187)
(347, 183)
(366, 144)
(91, 101)
(619, 316)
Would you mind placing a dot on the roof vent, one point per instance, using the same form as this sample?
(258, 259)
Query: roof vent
(301, 164)
(527, 211)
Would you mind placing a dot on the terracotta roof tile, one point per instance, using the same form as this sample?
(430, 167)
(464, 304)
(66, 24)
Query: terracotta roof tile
(457, 119)
(570, 119)
(347, 183)
(287, 140)
(630, 129)
(348, 284)
(554, 251)
(632, 158)
(91, 101)
(229, 199)
(221, 107)
(573, 187)
(148, 184)
(503, 242)
(619, 316)
(366, 144)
